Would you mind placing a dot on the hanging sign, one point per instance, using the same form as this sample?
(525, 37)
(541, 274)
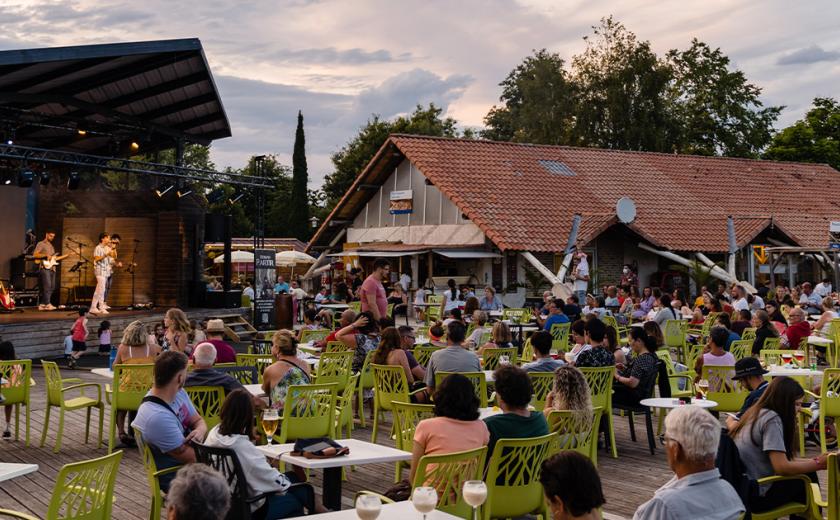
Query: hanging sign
(265, 276)
(400, 202)
(834, 235)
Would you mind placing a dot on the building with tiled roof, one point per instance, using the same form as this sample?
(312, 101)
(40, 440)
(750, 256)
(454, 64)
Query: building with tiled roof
(510, 198)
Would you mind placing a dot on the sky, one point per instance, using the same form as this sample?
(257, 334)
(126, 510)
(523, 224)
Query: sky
(339, 62)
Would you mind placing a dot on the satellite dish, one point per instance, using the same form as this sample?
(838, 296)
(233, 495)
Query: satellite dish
(625, 209)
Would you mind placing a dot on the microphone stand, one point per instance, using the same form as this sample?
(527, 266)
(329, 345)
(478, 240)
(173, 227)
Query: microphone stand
(132, 270)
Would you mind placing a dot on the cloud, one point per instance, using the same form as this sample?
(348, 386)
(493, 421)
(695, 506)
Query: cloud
(354, 56)
(812, 54)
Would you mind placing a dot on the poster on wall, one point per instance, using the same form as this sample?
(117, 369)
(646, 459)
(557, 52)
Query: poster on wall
(265, 276)
(400, 202)
(834, 235)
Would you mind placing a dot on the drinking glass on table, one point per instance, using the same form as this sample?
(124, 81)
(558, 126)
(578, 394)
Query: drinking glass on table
(475, 494)
(786, 359)
(703, 385)
(799, 356)
(504, 360)
(368, 507)
(424, 499)
(270, 420)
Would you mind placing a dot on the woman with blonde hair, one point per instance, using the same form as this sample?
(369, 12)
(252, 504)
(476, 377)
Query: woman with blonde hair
(178, 330)
(134, 349)
(570, 392)
(287, 369)
(824, 323)
(500, 337)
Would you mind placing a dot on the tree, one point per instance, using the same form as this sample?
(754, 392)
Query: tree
(299, 203)
(356, 154)
(816, 138)
(718, 110)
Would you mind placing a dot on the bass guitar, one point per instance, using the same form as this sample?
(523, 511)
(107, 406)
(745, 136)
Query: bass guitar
(50, 261)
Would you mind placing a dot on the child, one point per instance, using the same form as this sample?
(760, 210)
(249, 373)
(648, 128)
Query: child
(104, 334)
(7, 353)
(80, 332)
(68, 344)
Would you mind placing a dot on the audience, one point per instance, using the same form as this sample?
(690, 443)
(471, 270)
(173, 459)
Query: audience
(713, 352)
(287, 369)
(635, 380)
(134, 349)
(555, 315)
(389, 353)
(490, 302)
(809, 300)
(479, 318)
(743, 322)
(823, 324)
(696, 490)
(750, 375)
(570, 392)
(177, 330)
(362, 336)
(543, 362)
(798, 329)
(203, 373)
(167, 418)
(500, 337)
(597, 354)
(666, 311)
(572, 487)
(197, 491)
(347, 317)
(407, 344)
(763, 330)
(513, 393)
(453, 358)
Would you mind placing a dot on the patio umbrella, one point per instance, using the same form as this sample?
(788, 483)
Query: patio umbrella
(237, 257)
(291, 258)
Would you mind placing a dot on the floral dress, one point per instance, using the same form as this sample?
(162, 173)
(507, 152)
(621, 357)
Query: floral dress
(293, 376)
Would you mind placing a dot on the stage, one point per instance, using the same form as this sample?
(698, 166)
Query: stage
(40, 334)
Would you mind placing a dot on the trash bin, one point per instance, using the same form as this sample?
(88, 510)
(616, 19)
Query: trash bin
(283, 309)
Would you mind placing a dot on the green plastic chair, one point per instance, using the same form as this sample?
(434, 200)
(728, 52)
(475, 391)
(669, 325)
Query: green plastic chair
(365, 383)
(447, 474)
(527, 354)
(309, 412)
(355, 306)
(560, 337)
(675, 335)
(513, 478)
(478, 379)
(610, 321)
(491, 356)
(703, 331)
(259, 361)
(336, 346)
(313, 335)
(344, 408)
(748, 333)
(513, 313)
(574, 433)
(56, 398)
(334, 367)
(422, 353)
(692, 352)
(131, 383)
(723, 390)
(406, 418)
(771, 343)
(153, 475)
(542, 383)
(741, 348)
(433, 314)
(829, 405)
(18, 376)
(791, 508)
(208, 402)
(674, 378)
(600, 380)
(832, 504)
(83, 490)
(389, 385)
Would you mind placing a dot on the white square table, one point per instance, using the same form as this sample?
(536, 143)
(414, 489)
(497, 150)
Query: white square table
(361, 452)
(9, 470)
(389, 511)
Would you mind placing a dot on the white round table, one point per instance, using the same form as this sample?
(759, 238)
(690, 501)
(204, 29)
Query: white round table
(793, 372)
(670, 402)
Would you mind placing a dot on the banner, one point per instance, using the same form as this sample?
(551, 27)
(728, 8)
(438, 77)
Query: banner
(400, 202)
(834, 235)
(265, 275)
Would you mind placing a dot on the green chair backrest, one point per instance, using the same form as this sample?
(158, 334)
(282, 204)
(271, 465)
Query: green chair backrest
(485, 338)
(260, 346)
(309, 412)
(208, 402)
(355, 306)
(709, 323)
(542, 383)
(830, 393)
(576, 430)
(313, 335)
(434, 298)
(600, 381)
(491, 356)
(85, 490)
(470, 329)
(609, 321)
(514, 313)
(366, 375)
(447, 473)
(478, 379)
(724, 390)
(246, 375)
(389, 384)
(53, 382)
(692, 352)
(17, 374)
(433, 313)
(336, 346)
(741, 348)
(513, 477)
(421, 330)
(674, 332)
(344, 403)
(560, 336)
(335, 367)
(527, 352)
(665, 356)
(771, 343)
(833, 485)
(749, 333)
(422, 353)
(131, 383)
(406, 417)
(260, 361)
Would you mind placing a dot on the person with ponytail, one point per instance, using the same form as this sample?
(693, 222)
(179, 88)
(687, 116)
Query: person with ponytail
(633, 380)
(452, 298)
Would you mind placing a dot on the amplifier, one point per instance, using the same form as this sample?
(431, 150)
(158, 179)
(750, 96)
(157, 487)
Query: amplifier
(81, 294)
(25, 298)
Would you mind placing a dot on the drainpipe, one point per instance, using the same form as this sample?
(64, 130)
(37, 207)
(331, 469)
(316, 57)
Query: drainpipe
(570, 246)
(545, 271)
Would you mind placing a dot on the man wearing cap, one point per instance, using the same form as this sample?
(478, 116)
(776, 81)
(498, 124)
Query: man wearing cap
(215, 334)
(749, 372)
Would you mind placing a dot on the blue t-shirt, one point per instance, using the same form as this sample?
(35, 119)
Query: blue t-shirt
(752, 397)
(163, 432)
(733, 336)
(281, 288)
(555, 318)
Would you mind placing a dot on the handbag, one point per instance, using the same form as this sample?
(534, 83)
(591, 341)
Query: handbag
(318, 448)
(399, 492)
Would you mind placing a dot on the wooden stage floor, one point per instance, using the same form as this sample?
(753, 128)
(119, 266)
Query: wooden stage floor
(33, 315)
(628, 481)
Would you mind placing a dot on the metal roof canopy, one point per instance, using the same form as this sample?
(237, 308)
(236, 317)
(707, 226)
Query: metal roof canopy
(155, 93)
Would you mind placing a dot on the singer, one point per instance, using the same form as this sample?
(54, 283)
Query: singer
(103, 258)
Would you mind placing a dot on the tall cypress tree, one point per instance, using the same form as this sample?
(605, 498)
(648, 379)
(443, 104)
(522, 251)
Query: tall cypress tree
(299, 211)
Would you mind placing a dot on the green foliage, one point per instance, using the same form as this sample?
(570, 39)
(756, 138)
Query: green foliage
(299, 202)
(356, 154)
(699, 273)
(816, 138)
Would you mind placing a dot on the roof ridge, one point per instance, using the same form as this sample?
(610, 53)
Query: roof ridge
(612, 150)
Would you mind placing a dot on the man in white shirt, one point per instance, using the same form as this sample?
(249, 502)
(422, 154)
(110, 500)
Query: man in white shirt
(405, 281)
(810, 300)
(740, 303)
(823, 288)
(249, 290)
(581, 277)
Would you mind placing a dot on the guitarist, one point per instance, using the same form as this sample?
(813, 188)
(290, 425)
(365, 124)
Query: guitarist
(46, 258)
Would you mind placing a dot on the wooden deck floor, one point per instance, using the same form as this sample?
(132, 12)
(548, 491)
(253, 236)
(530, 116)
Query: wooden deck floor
(627, 481)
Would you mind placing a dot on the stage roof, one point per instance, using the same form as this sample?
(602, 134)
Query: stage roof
(97, 99)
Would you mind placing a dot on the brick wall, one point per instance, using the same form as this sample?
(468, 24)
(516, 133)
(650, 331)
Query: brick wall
(610, 247)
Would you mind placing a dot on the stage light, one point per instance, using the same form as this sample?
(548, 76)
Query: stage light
(7, 180)
(45, 178)
(183, 192)
(10, 142)
(161, 193)
(73, 180)
(134, 146)
(81, 132)
(25, 178)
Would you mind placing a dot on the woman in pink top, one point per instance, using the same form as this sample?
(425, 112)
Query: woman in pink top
(455, 427)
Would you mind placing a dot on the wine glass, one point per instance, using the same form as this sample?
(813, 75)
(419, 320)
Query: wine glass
(475, 493)
(424, 499)
(504, 360)
(368, 507)
(786, 359)
(703, 385)
(799, 356)
(270, 420)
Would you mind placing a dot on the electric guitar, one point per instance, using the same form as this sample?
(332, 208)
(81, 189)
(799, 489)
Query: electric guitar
(6, 300)
(50, 261)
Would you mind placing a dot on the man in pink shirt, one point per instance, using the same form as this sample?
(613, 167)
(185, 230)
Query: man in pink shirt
(372, 292)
